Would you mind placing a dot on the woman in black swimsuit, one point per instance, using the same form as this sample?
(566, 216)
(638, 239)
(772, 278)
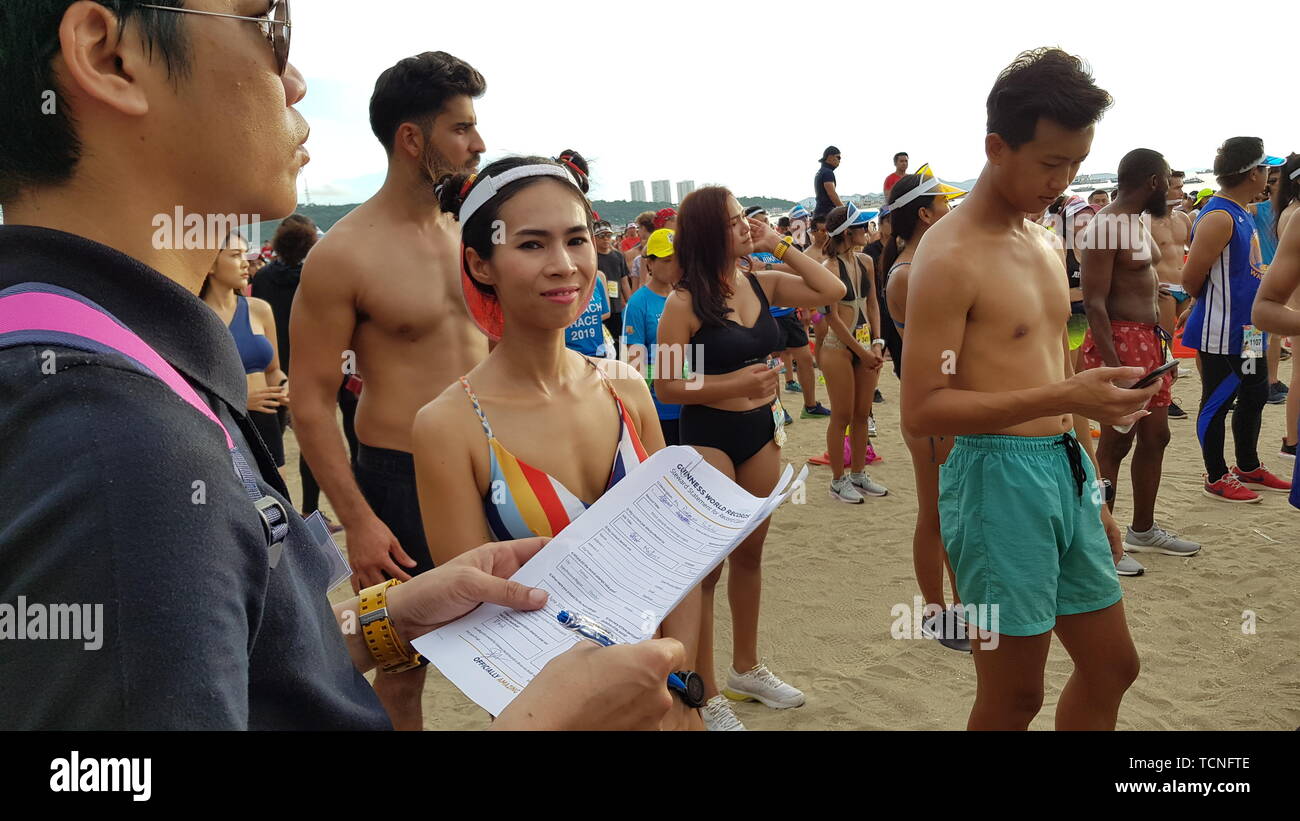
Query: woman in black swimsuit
(730, 411)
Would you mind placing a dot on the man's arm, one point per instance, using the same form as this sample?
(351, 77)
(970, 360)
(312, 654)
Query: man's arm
(830, 190)
(1212, 235)
(321, 325)
(1096, 271)
(1272, 313)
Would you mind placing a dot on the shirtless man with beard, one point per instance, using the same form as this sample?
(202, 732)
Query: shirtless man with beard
(380, 297)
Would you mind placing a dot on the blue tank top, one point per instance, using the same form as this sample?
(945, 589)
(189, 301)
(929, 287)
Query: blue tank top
(1223, 305)
(255, 350)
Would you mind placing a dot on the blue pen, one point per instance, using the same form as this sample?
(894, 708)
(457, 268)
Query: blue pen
(591, 631)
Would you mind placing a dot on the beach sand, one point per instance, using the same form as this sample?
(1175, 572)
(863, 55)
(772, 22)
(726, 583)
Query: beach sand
(833, 573)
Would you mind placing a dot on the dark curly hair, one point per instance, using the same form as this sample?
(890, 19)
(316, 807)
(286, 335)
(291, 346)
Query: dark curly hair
(1045, 83)
(294, 238)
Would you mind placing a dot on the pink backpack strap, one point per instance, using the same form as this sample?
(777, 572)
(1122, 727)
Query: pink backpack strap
(48, 315)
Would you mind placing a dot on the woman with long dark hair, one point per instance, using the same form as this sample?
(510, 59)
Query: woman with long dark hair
(915, 204)
(731, 412)
(530, 438)
(851, 355)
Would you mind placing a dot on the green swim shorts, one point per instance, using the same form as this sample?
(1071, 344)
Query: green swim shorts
(1020, 517)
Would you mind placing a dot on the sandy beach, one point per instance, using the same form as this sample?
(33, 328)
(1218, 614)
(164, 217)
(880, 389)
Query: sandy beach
(833, 573)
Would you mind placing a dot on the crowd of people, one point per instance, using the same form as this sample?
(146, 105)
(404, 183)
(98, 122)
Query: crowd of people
(512, 359)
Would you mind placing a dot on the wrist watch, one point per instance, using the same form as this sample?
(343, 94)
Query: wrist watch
(692, 690)
(879, 342)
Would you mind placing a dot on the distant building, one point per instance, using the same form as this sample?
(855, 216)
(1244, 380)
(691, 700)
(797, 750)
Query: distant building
(683, 188)
(662, 191)
(638, 191)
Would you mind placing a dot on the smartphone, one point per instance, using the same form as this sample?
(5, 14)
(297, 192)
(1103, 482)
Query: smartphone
(1154, 375)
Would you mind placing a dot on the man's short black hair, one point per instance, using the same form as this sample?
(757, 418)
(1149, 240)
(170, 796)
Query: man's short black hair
(900, 154)
(1138, 165)
(417, 89)
(38, 144)
(1043, 83)
(1234, 155)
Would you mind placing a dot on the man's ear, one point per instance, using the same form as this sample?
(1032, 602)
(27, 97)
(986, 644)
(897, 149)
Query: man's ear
(995, 148)
(409, 140)
(100, 61)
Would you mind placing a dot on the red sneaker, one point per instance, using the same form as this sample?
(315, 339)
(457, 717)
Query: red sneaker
(1261, 479)
(1230, 489)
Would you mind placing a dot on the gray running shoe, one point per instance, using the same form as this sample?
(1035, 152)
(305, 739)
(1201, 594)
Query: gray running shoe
(1128, 566)
(944, 627)
(1159, 541)
(719, 717)
(871, 425)
(867, 485)
(842, 490)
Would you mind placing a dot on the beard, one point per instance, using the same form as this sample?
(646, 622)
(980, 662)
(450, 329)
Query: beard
(1157, 206)
(434, 165)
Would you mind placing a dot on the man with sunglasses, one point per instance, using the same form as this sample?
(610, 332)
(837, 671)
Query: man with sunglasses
(122, 408)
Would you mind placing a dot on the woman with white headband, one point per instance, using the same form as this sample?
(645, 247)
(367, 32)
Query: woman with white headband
(536, 433)
(850, 356)
(916, 203)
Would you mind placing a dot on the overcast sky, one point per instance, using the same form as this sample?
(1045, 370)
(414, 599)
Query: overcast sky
(749, 93)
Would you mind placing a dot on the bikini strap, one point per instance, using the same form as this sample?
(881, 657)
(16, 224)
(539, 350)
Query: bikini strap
(473, 400)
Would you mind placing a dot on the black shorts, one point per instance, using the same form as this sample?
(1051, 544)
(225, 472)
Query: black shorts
(739, 434)
(796, 336)
(387, 480)
(672, 431)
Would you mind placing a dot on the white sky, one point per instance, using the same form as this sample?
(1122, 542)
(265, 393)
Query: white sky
(662, 89)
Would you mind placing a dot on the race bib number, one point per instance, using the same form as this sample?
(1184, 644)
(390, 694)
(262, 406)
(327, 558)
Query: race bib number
(863, 335)
(611, 288)
(1252, 342)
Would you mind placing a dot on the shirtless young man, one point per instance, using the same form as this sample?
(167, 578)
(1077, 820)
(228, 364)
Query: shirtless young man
(1033, 548)
(1119, 291)
(381, 294)
(1171, 233)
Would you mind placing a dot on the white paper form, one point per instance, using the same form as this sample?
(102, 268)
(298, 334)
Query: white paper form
(625, 563)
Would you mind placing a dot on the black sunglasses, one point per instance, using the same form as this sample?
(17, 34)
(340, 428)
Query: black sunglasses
(275, 24)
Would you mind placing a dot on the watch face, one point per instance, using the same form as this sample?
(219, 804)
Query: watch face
(694, 689)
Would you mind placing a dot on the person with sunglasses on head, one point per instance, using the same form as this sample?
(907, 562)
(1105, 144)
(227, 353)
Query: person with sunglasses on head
(731, 411)
(526, 441)
(217, 588)
(400, 325)
(1222, 273)
(915, 204)
(850, 357)
(1277, 304)
(824, 182)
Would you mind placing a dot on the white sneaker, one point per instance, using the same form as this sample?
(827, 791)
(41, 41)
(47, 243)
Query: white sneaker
(760, 685)
(719, 717)
(842, 490)
(871, 425)
(867, 485)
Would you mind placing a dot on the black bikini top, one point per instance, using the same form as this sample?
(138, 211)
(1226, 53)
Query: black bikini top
(729, 347)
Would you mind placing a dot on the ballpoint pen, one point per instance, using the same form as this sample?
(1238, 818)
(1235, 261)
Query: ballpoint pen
(687, 684)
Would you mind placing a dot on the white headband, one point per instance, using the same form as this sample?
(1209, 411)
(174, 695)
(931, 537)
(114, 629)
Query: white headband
(921, 190)
(488, 187)
(1253, 165)
(853, 214)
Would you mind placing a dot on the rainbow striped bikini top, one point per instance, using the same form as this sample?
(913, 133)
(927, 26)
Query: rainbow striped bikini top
(523, 501)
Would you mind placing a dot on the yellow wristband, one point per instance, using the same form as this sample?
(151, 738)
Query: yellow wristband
(391, 653)
(781, 247)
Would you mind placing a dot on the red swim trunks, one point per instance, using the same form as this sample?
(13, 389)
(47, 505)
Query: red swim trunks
(1137, 345)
